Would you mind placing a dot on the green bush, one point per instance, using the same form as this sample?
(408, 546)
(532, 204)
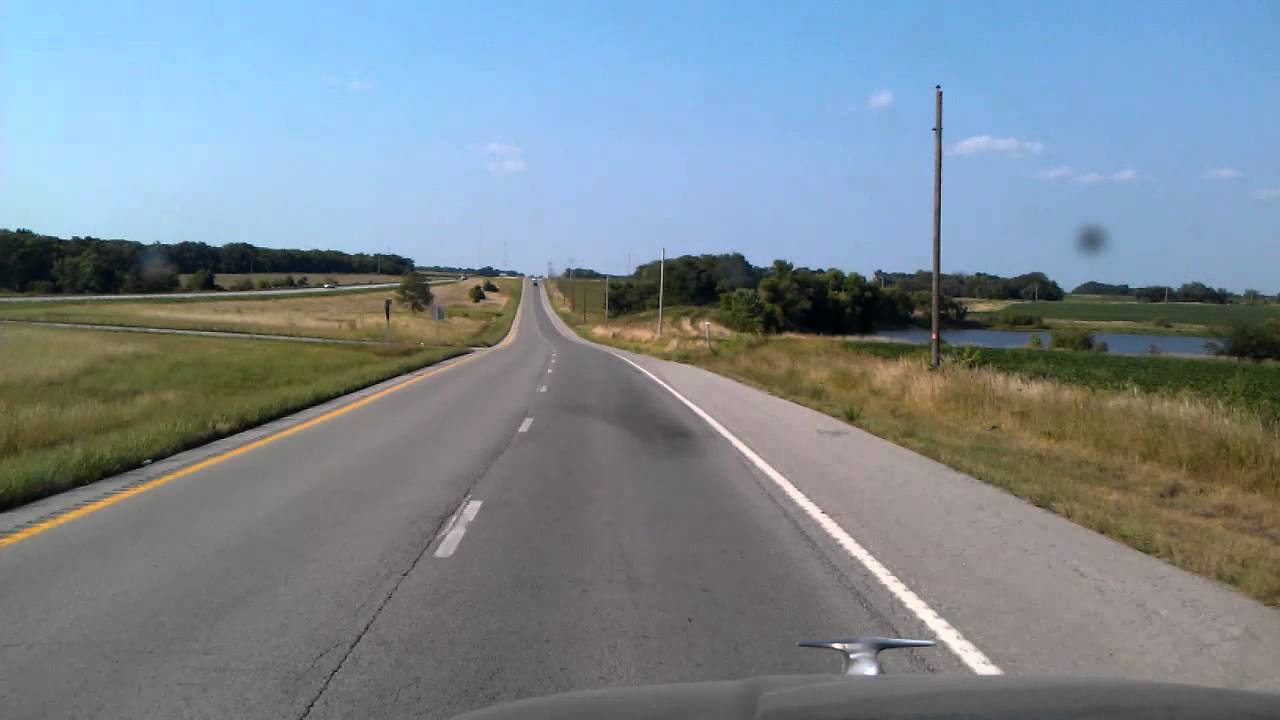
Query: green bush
(742, 310)
(1256, 342)
(1034, 342)
(1161, 322)
(950, 309)
(414, 291)
(243, 284)
(476, 293)
(1071, 339)
(1013, 318)
(489, 286)
(263, 284)
(197, 281)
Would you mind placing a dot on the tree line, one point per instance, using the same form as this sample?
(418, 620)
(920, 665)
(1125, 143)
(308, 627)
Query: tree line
(486, 271)
(1187, 292)
(781, 297)
(30, 262)
(1028, 286)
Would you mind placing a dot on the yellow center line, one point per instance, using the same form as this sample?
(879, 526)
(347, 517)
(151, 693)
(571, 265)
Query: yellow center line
(96, 505)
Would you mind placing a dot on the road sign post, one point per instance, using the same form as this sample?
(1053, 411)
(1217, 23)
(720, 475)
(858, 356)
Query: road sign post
(386, 308)
(437, 315)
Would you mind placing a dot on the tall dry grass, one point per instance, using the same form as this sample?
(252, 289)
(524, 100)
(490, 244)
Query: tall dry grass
(1186, 479)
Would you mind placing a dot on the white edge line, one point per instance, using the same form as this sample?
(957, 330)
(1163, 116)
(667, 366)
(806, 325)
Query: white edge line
(542, 388)
(968, 653)
(524, 426)
(457, 527)
(548, 371)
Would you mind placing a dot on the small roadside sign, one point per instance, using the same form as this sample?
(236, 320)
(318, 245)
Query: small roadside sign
(437, 312)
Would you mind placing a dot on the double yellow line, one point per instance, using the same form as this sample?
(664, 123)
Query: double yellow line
(125, 494)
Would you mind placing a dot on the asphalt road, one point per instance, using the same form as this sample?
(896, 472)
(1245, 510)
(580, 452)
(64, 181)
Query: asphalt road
(618, 541)
(538, 517)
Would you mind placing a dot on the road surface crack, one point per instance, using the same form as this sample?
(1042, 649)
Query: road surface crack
(351, 646)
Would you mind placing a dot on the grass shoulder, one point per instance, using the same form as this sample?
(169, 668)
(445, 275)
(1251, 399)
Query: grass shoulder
(77, 406)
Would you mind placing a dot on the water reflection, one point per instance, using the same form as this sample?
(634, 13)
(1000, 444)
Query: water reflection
(1119, 343)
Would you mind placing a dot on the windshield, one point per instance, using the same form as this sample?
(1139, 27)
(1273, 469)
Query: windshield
(405, 359)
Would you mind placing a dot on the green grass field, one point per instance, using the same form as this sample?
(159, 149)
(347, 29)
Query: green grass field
(498, 323)
(77, 405)
(585, 298)
(1092, 309)
(1073, 297)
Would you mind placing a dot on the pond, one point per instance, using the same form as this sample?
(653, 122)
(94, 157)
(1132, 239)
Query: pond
(1119, 343)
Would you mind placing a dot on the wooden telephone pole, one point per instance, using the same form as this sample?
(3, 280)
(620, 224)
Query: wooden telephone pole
(936, 315)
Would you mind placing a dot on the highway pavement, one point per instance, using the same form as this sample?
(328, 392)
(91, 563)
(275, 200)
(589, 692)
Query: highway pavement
(537, 517)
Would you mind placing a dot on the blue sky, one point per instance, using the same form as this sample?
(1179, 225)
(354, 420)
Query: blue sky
(602, 130)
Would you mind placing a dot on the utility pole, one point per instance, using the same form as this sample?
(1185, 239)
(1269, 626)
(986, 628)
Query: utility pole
(606, 301)
(662, 277)
(936, 321)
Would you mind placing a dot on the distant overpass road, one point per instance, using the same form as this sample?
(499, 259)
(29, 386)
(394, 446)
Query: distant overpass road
(207, 295)
(534, 518)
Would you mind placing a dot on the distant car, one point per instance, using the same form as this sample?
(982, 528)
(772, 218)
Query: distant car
(331, 285)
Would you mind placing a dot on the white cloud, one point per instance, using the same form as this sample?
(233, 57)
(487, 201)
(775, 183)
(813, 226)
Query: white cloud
(497, 148)
(1090, 177)
(507, 166)
(985, 143)
(880, 99)
(1267, 194)
(504, 158)
(350, 84)
(1222, 174)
